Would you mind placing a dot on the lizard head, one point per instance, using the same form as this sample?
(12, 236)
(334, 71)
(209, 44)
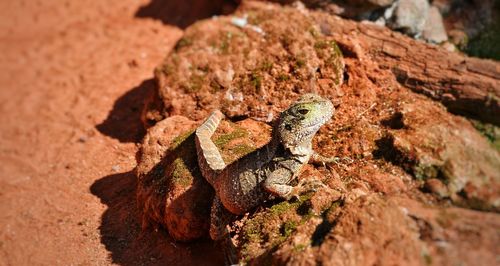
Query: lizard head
(299, 123)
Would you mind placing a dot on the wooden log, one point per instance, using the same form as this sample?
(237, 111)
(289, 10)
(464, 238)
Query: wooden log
(465, 85)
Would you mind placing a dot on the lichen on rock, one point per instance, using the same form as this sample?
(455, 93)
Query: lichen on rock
(218, 64)
(452, 152)
(171, 190)
(407, 172)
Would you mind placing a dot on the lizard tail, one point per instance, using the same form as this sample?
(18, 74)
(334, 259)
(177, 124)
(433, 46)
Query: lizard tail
(209, 157)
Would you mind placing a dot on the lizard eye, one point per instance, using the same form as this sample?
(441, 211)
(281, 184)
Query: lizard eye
(288, 127)
(303, 111)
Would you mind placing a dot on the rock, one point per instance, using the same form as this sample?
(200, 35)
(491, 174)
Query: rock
(444, 6)
(437, 187)
(381, 3)
(476, 19)
(270, 61)
(472, 26)
(448, 148)
(410, 16)
(354, 9)
(485, 45)
(459, 38)
(171, 191)
(448, 46)
(372, 230)
(403, 163)
(465, 85)
(434, 30)
(378, 3)
(471, 17)
(364, 6)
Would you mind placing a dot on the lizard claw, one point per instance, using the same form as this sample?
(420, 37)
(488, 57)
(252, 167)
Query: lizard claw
(319, 159)
(306, 185)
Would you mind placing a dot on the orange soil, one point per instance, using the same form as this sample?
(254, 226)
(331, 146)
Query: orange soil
(72, 76)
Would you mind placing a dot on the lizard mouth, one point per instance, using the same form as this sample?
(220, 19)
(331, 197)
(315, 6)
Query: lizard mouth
(313, 127)
(320, 120)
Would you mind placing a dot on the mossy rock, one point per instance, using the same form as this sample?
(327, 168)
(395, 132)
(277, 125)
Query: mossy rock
(173, 192)
(266, 230)
(467, 163)
(254, 71)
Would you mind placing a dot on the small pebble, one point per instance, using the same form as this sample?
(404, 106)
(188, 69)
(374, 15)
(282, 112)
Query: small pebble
(437, 187)
(115, 168)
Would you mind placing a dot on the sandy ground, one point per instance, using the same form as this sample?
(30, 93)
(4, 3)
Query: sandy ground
(72, 77)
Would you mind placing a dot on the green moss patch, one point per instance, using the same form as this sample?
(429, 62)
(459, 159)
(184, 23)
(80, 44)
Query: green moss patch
(195, 83)
(266, 231)
(183, 42)
(491, 132)
(224, 139)
(181, 175)
(180, 139)
(486, 44)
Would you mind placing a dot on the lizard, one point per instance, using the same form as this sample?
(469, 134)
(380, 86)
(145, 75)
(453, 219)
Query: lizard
(267, 172)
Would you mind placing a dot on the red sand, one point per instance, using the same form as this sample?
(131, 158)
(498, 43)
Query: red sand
(72, 78)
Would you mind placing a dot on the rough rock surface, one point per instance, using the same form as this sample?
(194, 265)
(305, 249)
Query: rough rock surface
(377, 230)
(410, 16)
(470, 17)
(434, 30)
(471, 25)
(251, 69)
(410, 176)
(452, 151)
(171, 190)
(163, 155)
(465, 85)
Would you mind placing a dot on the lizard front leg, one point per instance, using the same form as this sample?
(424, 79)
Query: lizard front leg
(278, 181)
(319, 159)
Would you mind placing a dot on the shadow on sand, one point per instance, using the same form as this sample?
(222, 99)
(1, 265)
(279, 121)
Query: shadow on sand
(184, 13)
(120, 228)
(122, 235)
(124, 120)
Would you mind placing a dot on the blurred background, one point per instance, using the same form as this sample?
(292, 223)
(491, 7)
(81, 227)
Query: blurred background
(73, 76)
